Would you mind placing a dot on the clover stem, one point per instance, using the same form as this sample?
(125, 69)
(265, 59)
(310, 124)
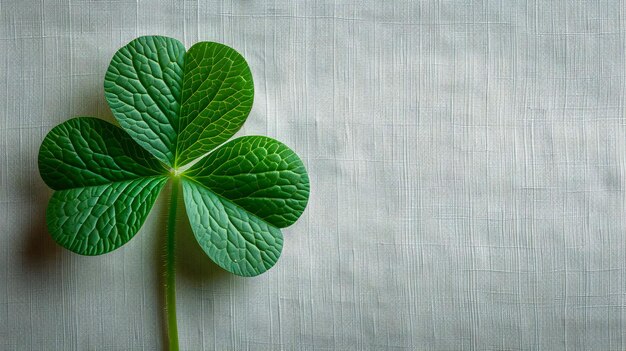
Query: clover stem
(170, 273)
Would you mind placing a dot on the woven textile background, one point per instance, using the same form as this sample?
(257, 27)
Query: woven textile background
(467, 164)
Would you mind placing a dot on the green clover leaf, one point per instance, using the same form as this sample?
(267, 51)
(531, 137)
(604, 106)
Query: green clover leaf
(176, 109)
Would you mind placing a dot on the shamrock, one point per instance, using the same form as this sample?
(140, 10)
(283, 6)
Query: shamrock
(176, 109)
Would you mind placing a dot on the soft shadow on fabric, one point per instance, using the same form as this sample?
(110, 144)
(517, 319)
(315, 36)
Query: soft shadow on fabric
(39, 249)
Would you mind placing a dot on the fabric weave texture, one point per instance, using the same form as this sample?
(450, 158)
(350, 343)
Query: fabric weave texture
(467, 162)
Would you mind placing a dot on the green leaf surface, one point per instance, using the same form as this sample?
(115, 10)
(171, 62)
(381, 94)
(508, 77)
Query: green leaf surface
(235, 239)
(174, 108)
(178, 105)
(143, 87)
(98, 219)
(260, 174)
(217, 97)
(88, 151)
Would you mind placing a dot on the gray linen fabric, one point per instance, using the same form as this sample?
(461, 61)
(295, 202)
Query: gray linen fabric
(467, 164)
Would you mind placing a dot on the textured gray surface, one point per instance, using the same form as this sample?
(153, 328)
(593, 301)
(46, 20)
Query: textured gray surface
(467, 164)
